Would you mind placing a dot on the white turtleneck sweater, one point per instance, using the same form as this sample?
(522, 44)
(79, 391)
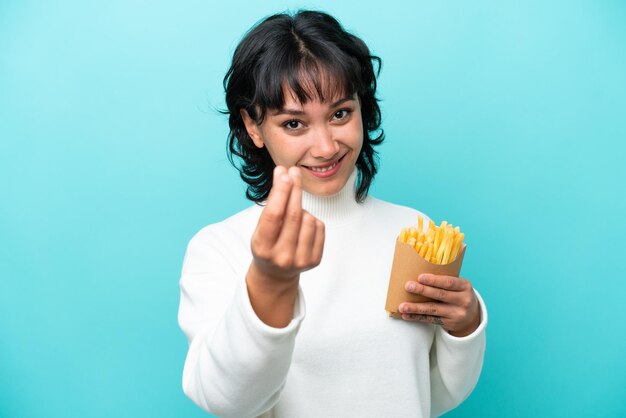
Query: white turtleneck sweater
(341, 355)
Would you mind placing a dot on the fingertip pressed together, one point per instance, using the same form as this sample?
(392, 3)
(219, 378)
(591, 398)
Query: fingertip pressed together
(278, 170)
(294, 171)
(281, 174)
(296, 176)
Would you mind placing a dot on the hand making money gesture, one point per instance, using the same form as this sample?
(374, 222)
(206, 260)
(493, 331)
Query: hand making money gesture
(287, 241)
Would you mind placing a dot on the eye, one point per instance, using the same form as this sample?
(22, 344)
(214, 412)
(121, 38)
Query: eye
(342, 114)
(292, 124)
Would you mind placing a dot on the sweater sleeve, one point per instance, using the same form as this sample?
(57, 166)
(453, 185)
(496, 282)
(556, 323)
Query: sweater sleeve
(455, 365)
(236, 365)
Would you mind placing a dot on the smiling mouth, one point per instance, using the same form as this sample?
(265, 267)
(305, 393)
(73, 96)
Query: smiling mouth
(325, 168)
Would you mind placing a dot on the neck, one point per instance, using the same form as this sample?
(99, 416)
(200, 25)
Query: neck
(337, 208)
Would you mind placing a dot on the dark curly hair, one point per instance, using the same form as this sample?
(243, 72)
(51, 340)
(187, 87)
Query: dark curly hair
(313, 55)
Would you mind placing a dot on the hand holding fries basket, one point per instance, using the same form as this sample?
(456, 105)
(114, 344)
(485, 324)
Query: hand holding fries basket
(440, 250)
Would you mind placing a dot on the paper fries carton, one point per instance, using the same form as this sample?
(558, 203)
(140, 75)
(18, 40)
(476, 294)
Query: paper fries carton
(408, 265)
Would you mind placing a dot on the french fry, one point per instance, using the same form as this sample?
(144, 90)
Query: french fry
(430, 235)
(448, 247)
(442, 247)
(429, 253)
(456, 247)
(402, 236)
(438, 237)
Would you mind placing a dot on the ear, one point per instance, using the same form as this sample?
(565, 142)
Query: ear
(252, 128)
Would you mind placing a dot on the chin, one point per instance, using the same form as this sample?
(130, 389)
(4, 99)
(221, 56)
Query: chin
(328, 189)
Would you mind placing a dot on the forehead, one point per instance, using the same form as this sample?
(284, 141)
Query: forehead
(314, 83)
(325, 95)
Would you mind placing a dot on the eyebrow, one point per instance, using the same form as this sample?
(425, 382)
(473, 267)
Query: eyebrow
(298, 112)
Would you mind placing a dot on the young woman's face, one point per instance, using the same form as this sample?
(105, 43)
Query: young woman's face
(323, 139)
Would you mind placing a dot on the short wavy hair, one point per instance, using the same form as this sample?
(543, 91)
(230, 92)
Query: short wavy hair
(310, 53)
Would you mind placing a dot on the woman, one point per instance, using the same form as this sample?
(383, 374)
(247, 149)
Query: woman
(283, 303)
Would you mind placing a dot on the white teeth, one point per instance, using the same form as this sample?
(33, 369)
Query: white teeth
(323, 169)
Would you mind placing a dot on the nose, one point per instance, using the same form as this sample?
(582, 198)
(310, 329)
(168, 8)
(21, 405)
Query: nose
(324, 144)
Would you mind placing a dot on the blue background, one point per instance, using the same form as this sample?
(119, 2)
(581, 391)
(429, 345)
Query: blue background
(507, 118)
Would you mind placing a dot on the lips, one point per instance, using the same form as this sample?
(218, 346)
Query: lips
(325, 170)
(322, 167)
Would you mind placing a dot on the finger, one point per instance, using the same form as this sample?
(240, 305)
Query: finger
(427, 319)
(318, 245)
(427, 308)
(306, 239)
(451, 283)
(436, 293)
(271, 219)
(288, 238)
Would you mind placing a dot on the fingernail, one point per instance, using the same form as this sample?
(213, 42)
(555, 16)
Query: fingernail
(424, 278)
(285, 178)
(294, 171)
(410, 286)
(402, 309)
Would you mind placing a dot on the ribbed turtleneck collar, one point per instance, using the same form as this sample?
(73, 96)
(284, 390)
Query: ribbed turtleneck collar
(336, 209)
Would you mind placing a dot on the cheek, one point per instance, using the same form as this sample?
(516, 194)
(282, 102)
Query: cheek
(360, 138)
(356, 134)
(285, 152)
